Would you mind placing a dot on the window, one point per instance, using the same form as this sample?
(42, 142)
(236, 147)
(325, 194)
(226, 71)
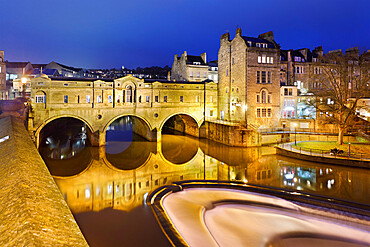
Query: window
(258, 112)
(268, 59)
(269, 77)
(211, 99)
(40, 98)
(263, 96)
(290, 92)
(198, 74)
(110, 98)
(258, 45)
(258, 76)
(258, 98)
(269, 112)
(263, 112)
(98, 99)
(191, 73)
(205, 74)
(285, 91)
(147, 99)
(165, 98)
(211, 113)
(65, 99)
(197, 98)
(268, 98)
(271, 60)
(181, 98)
(129, 94)
(227, 90)
(140, 99)
(263, 76)
(156, 98)
(227, 71)
(233, 61)
(263, 59)
(259, 59)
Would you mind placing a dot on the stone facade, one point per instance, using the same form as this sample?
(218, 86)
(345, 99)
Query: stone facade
(3, 93)
(189, 68)
(99, 102)
(249, 85)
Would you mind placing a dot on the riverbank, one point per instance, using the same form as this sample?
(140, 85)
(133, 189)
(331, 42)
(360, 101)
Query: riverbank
(33, 211)
(322, 155)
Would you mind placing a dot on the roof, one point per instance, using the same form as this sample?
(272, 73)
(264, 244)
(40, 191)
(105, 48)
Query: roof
(38, 65)
(190, 59)
(48, 72)
(258, 40)
(213, 63)
(173, 82)
(66, 67)
(57, 78)
(16, 64)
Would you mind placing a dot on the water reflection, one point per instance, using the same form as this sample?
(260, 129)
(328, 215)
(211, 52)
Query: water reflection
(104, 186)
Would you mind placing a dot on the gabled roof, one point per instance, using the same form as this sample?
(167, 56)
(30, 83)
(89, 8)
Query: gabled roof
(16, 64)
(66, 67)
(194, 59)
(251, 42)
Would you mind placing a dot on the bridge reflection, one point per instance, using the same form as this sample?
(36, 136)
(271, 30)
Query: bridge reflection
(121, 181)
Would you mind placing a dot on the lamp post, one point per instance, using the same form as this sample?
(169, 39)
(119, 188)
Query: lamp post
(349, 149)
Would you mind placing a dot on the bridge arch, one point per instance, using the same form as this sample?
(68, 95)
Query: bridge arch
(141, 126)
(190, 124)
(49, 120)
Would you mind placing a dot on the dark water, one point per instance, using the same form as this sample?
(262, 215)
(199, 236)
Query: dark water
(105, 187)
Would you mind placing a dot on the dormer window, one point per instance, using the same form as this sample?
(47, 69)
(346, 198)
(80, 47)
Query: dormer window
(264, 45)
(297, 59)
(196, 63)
(258, 45)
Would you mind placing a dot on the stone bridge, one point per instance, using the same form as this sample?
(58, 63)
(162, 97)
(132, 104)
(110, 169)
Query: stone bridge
(97, 103)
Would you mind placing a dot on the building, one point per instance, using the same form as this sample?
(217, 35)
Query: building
(213, 71)
(189, 68)
(3, 92)
(66, 71)
(249, 80)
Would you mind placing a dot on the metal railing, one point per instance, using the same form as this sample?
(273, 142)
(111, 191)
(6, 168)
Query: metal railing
(325, 152)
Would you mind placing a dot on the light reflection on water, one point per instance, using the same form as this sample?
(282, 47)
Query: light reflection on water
(120, 175)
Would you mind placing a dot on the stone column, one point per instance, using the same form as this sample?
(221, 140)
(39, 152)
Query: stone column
(97, 138)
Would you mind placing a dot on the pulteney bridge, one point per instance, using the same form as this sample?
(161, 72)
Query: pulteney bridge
(98, 103)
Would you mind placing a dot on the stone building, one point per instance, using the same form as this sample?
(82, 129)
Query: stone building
(189, 68)
(249, 85)
(3, 93)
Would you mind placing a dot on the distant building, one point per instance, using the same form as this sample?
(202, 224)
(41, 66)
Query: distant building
(3, 92)
(66, 71)
(213, 71)
(189, 68)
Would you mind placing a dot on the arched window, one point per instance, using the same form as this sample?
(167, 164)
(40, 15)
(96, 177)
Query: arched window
(264, 96)
(129, 94)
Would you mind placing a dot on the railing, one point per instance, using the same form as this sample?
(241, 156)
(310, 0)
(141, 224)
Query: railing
(296, 130)
(325, 152)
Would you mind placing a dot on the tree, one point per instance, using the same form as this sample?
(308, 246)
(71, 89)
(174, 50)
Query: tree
(339, 82)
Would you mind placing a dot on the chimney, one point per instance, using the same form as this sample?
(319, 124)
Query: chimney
(238, 32)
(176, 56)
(318, 51)
(225, 37)
(268, 36)
(169, 75)
(185, 54)
(204, 57)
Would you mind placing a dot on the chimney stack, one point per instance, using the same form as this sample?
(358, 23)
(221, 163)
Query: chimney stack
(204, 57)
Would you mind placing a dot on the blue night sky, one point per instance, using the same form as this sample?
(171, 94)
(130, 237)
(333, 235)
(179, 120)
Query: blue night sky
(112, 33)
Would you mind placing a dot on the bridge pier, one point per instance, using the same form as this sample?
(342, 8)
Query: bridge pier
(97, 139)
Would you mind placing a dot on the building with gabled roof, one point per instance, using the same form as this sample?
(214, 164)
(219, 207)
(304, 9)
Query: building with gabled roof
(189, 68)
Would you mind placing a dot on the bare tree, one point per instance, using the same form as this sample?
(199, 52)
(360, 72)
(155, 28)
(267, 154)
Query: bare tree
(339, 82)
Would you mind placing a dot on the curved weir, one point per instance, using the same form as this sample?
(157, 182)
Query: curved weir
(201, 214)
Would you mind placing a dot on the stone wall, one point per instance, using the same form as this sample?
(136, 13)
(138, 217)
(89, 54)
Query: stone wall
(33, 211)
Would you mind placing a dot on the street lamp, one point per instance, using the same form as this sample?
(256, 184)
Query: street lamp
(349, 149)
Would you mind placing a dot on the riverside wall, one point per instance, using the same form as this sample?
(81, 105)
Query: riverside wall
(33, 211)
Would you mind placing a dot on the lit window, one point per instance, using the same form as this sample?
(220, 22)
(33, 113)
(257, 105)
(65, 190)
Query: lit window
(110, 98)
(259, 59)
(40, 98)
(65, 99)
(263, 112)
(88, 98)
(147, 99)
(197, 98)
(211, 99)
(99, 99)
(268, 60)
(271, 60)
(263, 59)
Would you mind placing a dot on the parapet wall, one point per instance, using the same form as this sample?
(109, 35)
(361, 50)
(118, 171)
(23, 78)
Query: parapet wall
(33, 211)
